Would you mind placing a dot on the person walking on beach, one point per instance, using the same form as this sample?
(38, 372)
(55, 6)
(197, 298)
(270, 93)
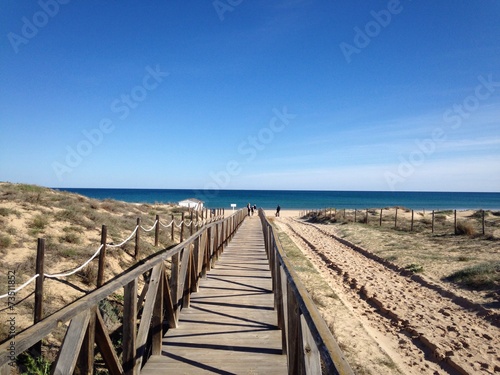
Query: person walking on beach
(278, 210)
(248, 208)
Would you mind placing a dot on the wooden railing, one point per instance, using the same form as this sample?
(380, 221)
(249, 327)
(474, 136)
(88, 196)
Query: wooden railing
(163, 295)
(306, 339)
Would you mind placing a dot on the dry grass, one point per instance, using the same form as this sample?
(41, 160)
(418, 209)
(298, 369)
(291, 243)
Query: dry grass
(71, 225)
(442, 256)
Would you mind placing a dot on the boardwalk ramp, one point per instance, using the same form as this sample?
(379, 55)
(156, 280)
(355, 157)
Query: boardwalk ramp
(231, 325)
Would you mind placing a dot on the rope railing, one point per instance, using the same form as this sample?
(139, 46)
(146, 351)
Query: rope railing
(198, 223)
(19, 288)
(55, 276)
(125, 241)
(166, 226)
(206, 245)
(150, 229)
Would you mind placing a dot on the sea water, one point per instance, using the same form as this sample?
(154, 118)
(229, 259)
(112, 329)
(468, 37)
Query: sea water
(301, 199)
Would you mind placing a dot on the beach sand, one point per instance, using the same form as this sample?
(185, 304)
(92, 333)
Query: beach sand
(388, 321)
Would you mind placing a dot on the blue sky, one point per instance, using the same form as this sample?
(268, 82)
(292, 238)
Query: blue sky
(240, 94)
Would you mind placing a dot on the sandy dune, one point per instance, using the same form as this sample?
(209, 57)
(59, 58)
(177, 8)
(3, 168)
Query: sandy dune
(421, 330)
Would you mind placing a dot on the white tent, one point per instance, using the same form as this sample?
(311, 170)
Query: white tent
(193, 203)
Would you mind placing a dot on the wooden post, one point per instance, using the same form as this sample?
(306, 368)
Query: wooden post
(455, 215)
(355, 214)
(482, 212)
(411, 228)
(182, 227)
(39, 269)
(367, 216)
(172, 228)
(380, 221)
(157, 319)
(102, 257)
(137, 238)
(396, 219)
(191, 227)
(157, 230)
(129, 326)
(432, 221)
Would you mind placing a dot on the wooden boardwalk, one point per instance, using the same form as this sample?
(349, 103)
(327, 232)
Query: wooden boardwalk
(231, 325)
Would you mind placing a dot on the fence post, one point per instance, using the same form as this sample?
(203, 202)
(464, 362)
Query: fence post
(367, 216)
(432, 221)
(355, 215)
(411, 229)
(102, 256)
(191, 227)
(137, 238)
(182, 227)
(40, 254)
(172, 228)
(396, 219)
(157, 230)
(482, 211)
(380, 221)
(455, 220)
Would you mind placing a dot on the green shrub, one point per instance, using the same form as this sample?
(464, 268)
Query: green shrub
(465, 228)
(33, 365)
(481, 276)
(4, 211)
(70, 237)
(88, 275)
(39, 222)
(416, 268)
(5, 242)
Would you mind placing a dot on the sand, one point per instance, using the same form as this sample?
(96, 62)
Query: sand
(423, 326)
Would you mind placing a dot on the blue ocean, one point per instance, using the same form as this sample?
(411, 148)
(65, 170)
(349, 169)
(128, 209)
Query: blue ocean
(299, 200)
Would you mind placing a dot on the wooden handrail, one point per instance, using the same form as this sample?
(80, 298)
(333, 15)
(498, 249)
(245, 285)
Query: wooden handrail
(163, 294)
(307, 340)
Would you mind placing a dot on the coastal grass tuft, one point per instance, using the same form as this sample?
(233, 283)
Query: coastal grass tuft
(484, 276)
(465, 228)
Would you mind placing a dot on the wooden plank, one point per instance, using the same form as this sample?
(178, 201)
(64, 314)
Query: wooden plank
(157, 320)
(129, 327)
(87, 355)
(311, 353)
(105, 346)
(231, 325)
(147, 315)
(70, 348)
(169, 306)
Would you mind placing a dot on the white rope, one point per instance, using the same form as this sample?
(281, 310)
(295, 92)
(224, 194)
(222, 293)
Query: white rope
(188, 225)
(76, 269)
(180, 224)
(150, 229)
(166, 226)
(12, 292)
(124, 242)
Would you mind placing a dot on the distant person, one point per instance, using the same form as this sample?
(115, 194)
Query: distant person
(278, 209)
(255, 207)
(249, 209)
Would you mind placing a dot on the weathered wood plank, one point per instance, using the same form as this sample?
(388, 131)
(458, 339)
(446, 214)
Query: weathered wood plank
(231, 325)
(105, 346)
(147, 315)
(68, 355)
